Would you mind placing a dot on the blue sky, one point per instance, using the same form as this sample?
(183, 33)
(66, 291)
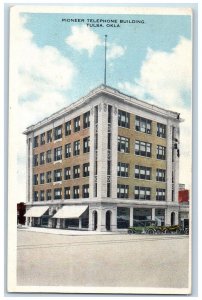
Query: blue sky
(58, 62)
(158, 32)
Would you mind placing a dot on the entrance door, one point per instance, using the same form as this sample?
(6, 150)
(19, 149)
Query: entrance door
(94, 220)
(172, 218)
(108, 220)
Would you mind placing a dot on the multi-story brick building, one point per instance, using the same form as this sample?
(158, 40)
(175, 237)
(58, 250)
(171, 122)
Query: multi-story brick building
(102, 163)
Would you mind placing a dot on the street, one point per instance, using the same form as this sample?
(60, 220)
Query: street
(118, 260)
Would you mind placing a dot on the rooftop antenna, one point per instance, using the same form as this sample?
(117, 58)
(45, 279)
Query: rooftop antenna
(105, 71)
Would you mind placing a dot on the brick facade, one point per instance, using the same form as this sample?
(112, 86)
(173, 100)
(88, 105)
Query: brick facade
(104, 204)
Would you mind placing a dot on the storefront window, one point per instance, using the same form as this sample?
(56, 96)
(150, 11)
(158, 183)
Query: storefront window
(140, 214)
(160, 216)
(123, 217)
(71, 223)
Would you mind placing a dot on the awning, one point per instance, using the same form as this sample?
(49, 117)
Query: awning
(36, 211)
(70, 211)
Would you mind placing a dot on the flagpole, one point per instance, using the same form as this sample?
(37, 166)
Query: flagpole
(105, 71)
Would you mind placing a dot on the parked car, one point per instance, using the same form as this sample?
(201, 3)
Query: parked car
(143, 227)
(174, 229)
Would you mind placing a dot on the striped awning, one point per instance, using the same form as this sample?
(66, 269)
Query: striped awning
(36, 211)
(70, 211)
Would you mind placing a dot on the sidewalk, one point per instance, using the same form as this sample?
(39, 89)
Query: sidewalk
(66, 231)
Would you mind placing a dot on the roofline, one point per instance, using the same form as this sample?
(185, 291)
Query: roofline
(104, 89)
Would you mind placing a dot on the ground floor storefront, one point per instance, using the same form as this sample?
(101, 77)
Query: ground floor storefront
(101, 216)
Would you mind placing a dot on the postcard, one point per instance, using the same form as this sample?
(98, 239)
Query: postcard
(100, 135)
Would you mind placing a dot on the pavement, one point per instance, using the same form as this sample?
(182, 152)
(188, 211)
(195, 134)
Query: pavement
(67, 231)
(86, 259)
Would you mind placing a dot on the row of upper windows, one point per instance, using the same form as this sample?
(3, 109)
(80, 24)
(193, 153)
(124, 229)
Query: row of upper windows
(67, 173)
(141, 172)
(140, 193)
(141, 124)
(56, 194)
(57, 132)
(56, 154)
(141, 148)
(59, 174)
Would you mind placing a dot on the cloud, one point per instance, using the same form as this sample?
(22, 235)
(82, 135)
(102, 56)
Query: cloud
(115, 51)
(42, 77)
(83, 38)
(165, 80)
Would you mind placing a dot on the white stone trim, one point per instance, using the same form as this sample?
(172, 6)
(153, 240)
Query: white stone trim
(79, 107)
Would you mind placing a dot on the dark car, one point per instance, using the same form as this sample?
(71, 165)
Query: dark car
(174, 229)
(143, 227)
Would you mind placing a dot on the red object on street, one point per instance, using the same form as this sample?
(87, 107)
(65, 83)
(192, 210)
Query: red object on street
(183, 196)
(21, 210)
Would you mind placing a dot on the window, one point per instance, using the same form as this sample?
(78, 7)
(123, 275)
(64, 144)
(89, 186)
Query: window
(143, 125)
(58, 175)
(42, 138)
(42, 196)
(160, 216)
(58, 153)
(68, 128)
(123, 144)
(160, 194)
(76, 192)
(68, 150)
(48, 176)
(57, 194)
(49, 136)
(142, 148)
(142, 193)
(123, 217)
(142, 172)
(96, 114)
(122, 191)
(86, 170)
(86, 144)
(141, 214)
(76, 148)
(67, 173)
(36, 141)
(35, 160)
(48, 194)
(42, 178)
(36, 196)
(160, 175)
(76, 124)
(123, 169)
(35, 179)
(109, 114)
(67, 192)
(48, 156)
(161, 130)
(123, 119)
(161, 152)
(86, 191)
(86, 120)
(42, 158)
(76, 171)
(58, 132)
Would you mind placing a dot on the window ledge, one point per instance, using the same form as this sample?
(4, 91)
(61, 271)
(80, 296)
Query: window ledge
(57, 161)
(58, 140)
(57, 182)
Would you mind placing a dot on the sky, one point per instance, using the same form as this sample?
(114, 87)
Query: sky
(58, 61)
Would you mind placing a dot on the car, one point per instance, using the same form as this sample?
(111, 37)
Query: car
(174, 229)
(143, 226)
